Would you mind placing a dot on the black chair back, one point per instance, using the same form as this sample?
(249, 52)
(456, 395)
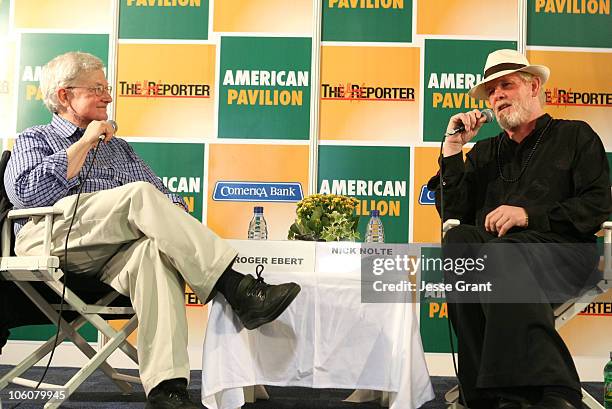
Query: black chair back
(5, 203)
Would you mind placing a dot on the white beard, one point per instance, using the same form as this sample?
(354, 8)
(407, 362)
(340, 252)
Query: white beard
(519, 115)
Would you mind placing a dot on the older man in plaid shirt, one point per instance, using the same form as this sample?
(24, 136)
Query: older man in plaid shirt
(129, 231)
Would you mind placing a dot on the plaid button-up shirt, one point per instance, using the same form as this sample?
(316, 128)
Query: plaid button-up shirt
(36, 175)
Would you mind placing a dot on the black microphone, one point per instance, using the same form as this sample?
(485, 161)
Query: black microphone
(488, 115)
(115, 128)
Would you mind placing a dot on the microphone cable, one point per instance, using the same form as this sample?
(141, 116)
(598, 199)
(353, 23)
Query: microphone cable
(448, 321)
(65, 276)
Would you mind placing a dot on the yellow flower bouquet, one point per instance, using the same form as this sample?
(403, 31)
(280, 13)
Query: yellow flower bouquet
(325, 218)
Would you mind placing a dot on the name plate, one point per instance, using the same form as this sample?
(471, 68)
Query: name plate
(275, 256)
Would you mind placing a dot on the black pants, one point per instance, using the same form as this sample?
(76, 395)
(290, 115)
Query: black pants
(505, 345)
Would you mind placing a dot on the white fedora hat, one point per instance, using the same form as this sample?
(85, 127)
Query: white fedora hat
(504, 62)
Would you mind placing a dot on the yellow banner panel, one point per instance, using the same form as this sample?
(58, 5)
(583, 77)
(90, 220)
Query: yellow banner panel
(497, 19)
(579, 88)
(584, 335)
(7, 84)
(269, 16)
(426, 227)
(254, 163)
(370, 93)
(73, 15)
(165, 90)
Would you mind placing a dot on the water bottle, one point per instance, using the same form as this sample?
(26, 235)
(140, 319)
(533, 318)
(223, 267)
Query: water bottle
(608, 384)
(375, 232)
(258, 229)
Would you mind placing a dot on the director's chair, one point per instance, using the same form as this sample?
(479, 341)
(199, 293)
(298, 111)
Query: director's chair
(29, 273)
(564, 312)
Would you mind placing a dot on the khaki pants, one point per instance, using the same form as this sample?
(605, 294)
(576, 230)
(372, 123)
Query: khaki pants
(144, 246)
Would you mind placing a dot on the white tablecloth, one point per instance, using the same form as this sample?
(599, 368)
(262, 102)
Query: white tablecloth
(327, 338)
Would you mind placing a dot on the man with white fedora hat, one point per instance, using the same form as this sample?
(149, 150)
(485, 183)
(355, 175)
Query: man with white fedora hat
(504, 62)
(541, 180)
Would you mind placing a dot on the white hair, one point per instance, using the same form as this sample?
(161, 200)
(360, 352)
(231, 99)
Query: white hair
(61, 71)
(527, 79)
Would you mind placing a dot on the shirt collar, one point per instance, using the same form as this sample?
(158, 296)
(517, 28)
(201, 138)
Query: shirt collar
(64, 127)
(541, 122)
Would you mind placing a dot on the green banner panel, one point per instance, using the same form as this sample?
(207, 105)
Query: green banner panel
(164, 19)
(449, 75)
(180, 166)
(37, 50)
(569, 23)
(4, 17)
(367, 20)
(434, 312)
(44, 332)
(264, 89)
(376, 175)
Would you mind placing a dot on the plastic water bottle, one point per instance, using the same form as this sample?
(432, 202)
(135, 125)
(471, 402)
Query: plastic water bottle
(258, 229)
(375, 232)
(608, 384)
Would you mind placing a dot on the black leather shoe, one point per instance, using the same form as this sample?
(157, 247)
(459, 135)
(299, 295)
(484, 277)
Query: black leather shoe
(257, 303)
(553, 401)
(475, 404)
(511, 404)
(170, 394)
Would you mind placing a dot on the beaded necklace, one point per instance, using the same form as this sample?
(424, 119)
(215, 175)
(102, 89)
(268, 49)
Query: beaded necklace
(526, 163)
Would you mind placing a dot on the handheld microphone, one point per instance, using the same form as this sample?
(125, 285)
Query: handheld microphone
(488, 115)
(115, 128)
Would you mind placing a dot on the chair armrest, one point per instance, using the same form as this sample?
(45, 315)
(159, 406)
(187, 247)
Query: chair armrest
(33, 211)
(48, 212)
(30, 268)
(607, 251)
(449, 224)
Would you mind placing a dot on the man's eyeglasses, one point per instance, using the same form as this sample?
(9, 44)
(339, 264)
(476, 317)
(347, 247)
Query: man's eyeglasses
(98, 90)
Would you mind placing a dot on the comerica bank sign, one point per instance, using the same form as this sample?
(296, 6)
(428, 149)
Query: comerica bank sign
(258, 191)
(427, 197)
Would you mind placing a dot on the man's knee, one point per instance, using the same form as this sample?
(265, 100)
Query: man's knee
(144, 187)
(464, 233)
(144, 190)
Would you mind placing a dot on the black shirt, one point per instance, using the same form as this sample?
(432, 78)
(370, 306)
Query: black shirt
(559, 174)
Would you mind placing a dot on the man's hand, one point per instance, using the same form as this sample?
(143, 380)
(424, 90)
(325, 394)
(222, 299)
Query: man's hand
(94, 130)
(504, 218)
(77, 152)
(471, 121)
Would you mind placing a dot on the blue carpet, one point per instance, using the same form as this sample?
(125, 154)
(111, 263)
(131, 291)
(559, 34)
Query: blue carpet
(99, 392)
